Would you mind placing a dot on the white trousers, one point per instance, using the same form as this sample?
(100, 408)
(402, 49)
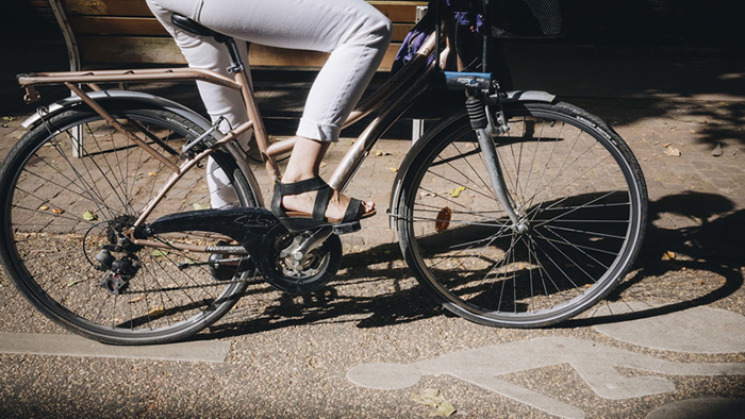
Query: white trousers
(354, 33)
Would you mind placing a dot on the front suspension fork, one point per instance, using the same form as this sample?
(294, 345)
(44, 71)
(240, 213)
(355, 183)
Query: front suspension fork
(483, 124)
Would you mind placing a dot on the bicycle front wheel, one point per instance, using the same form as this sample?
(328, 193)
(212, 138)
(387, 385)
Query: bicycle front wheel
(71, 186)
(580, 200)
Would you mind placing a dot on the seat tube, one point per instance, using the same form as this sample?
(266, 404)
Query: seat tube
(242, 76)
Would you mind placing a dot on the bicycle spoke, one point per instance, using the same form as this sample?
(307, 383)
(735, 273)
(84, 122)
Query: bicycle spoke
(72, 203)
(565, 247)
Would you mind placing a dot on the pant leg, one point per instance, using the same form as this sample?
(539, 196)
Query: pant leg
(205, 52)
(354, 32)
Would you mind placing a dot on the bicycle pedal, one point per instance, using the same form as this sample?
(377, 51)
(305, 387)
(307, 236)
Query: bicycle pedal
(346, 228)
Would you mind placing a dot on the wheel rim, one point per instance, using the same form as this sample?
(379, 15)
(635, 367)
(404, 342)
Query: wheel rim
(578, 218)
(61, 210)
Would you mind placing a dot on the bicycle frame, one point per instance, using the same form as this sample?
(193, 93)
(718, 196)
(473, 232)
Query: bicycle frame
(413, 78)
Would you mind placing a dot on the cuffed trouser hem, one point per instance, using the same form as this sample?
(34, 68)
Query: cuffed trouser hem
(318, 131)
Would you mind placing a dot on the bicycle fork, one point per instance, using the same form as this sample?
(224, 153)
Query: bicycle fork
(491, 160)
(485, 128)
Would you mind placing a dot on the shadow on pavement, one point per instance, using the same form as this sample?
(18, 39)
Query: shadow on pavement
(713, 245)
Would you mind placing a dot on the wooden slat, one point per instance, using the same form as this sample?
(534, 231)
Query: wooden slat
(87, 25)
(400, 30)
(129, 50)
(108, 25)
(162, 50)
(262, 56)
(397, 11)
(101, 26)
(106, 7)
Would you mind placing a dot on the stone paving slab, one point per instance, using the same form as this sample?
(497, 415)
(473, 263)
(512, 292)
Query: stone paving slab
(69, 345)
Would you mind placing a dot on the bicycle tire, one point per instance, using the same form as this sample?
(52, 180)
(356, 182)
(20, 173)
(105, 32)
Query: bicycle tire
(60, 211)
(575, 184)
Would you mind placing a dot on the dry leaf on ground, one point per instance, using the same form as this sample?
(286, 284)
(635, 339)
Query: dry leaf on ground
(157, 311)
(672, 151)
(89, 216)
(433, 397)
(718, 150)
(455, 192)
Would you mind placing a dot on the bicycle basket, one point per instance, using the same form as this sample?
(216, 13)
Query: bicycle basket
(526, 19)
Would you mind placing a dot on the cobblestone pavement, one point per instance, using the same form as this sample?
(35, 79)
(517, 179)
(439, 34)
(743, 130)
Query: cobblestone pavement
(373, 344)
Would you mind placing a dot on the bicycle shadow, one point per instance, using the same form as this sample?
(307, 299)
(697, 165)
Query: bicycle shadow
(715, 245)
(712, 245)
(404, 304)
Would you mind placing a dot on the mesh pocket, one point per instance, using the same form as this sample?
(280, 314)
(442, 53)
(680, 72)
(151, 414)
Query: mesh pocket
(515, 19)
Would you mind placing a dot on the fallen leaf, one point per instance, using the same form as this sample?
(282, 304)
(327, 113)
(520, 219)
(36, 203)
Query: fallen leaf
(44, 207)
(157, 311)
(442, 222)
(393, 169)
(672, 151)
(718, 150)
(74, 282)
(158, 253)
(455, 192)
(380, 153)
(197, 206)
(134, 300)
(668, 255)
(152, 173)
(432, 397)
(58, 211)
(89, 216)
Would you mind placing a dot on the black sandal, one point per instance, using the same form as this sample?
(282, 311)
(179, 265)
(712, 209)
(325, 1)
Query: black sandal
(297, 221)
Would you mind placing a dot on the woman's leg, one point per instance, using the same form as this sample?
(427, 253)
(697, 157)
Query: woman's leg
(354, 32)
(305, 164)
(205, 52)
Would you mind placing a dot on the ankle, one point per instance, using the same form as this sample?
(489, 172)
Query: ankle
(292, 177)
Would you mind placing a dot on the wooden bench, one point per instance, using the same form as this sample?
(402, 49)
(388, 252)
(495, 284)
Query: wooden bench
(116, 33)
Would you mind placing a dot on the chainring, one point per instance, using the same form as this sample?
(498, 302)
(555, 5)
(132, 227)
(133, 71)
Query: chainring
(294, 277)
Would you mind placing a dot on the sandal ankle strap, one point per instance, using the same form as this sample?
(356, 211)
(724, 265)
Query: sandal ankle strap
(302, 186)
(313, 184)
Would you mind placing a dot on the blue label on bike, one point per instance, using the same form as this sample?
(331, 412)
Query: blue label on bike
(461, 80)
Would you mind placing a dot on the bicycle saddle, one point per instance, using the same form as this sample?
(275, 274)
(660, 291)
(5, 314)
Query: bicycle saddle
(195, 27)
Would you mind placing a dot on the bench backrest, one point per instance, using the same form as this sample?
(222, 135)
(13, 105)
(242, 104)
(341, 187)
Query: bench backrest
(124, 32)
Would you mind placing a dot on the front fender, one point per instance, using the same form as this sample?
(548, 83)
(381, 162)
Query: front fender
(514, 96)
(528, 96)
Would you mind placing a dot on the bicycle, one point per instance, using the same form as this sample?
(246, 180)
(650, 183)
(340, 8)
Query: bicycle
(516, 210)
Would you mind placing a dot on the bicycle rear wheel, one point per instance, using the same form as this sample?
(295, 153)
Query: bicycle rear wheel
(576, 187)
(72, 184)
